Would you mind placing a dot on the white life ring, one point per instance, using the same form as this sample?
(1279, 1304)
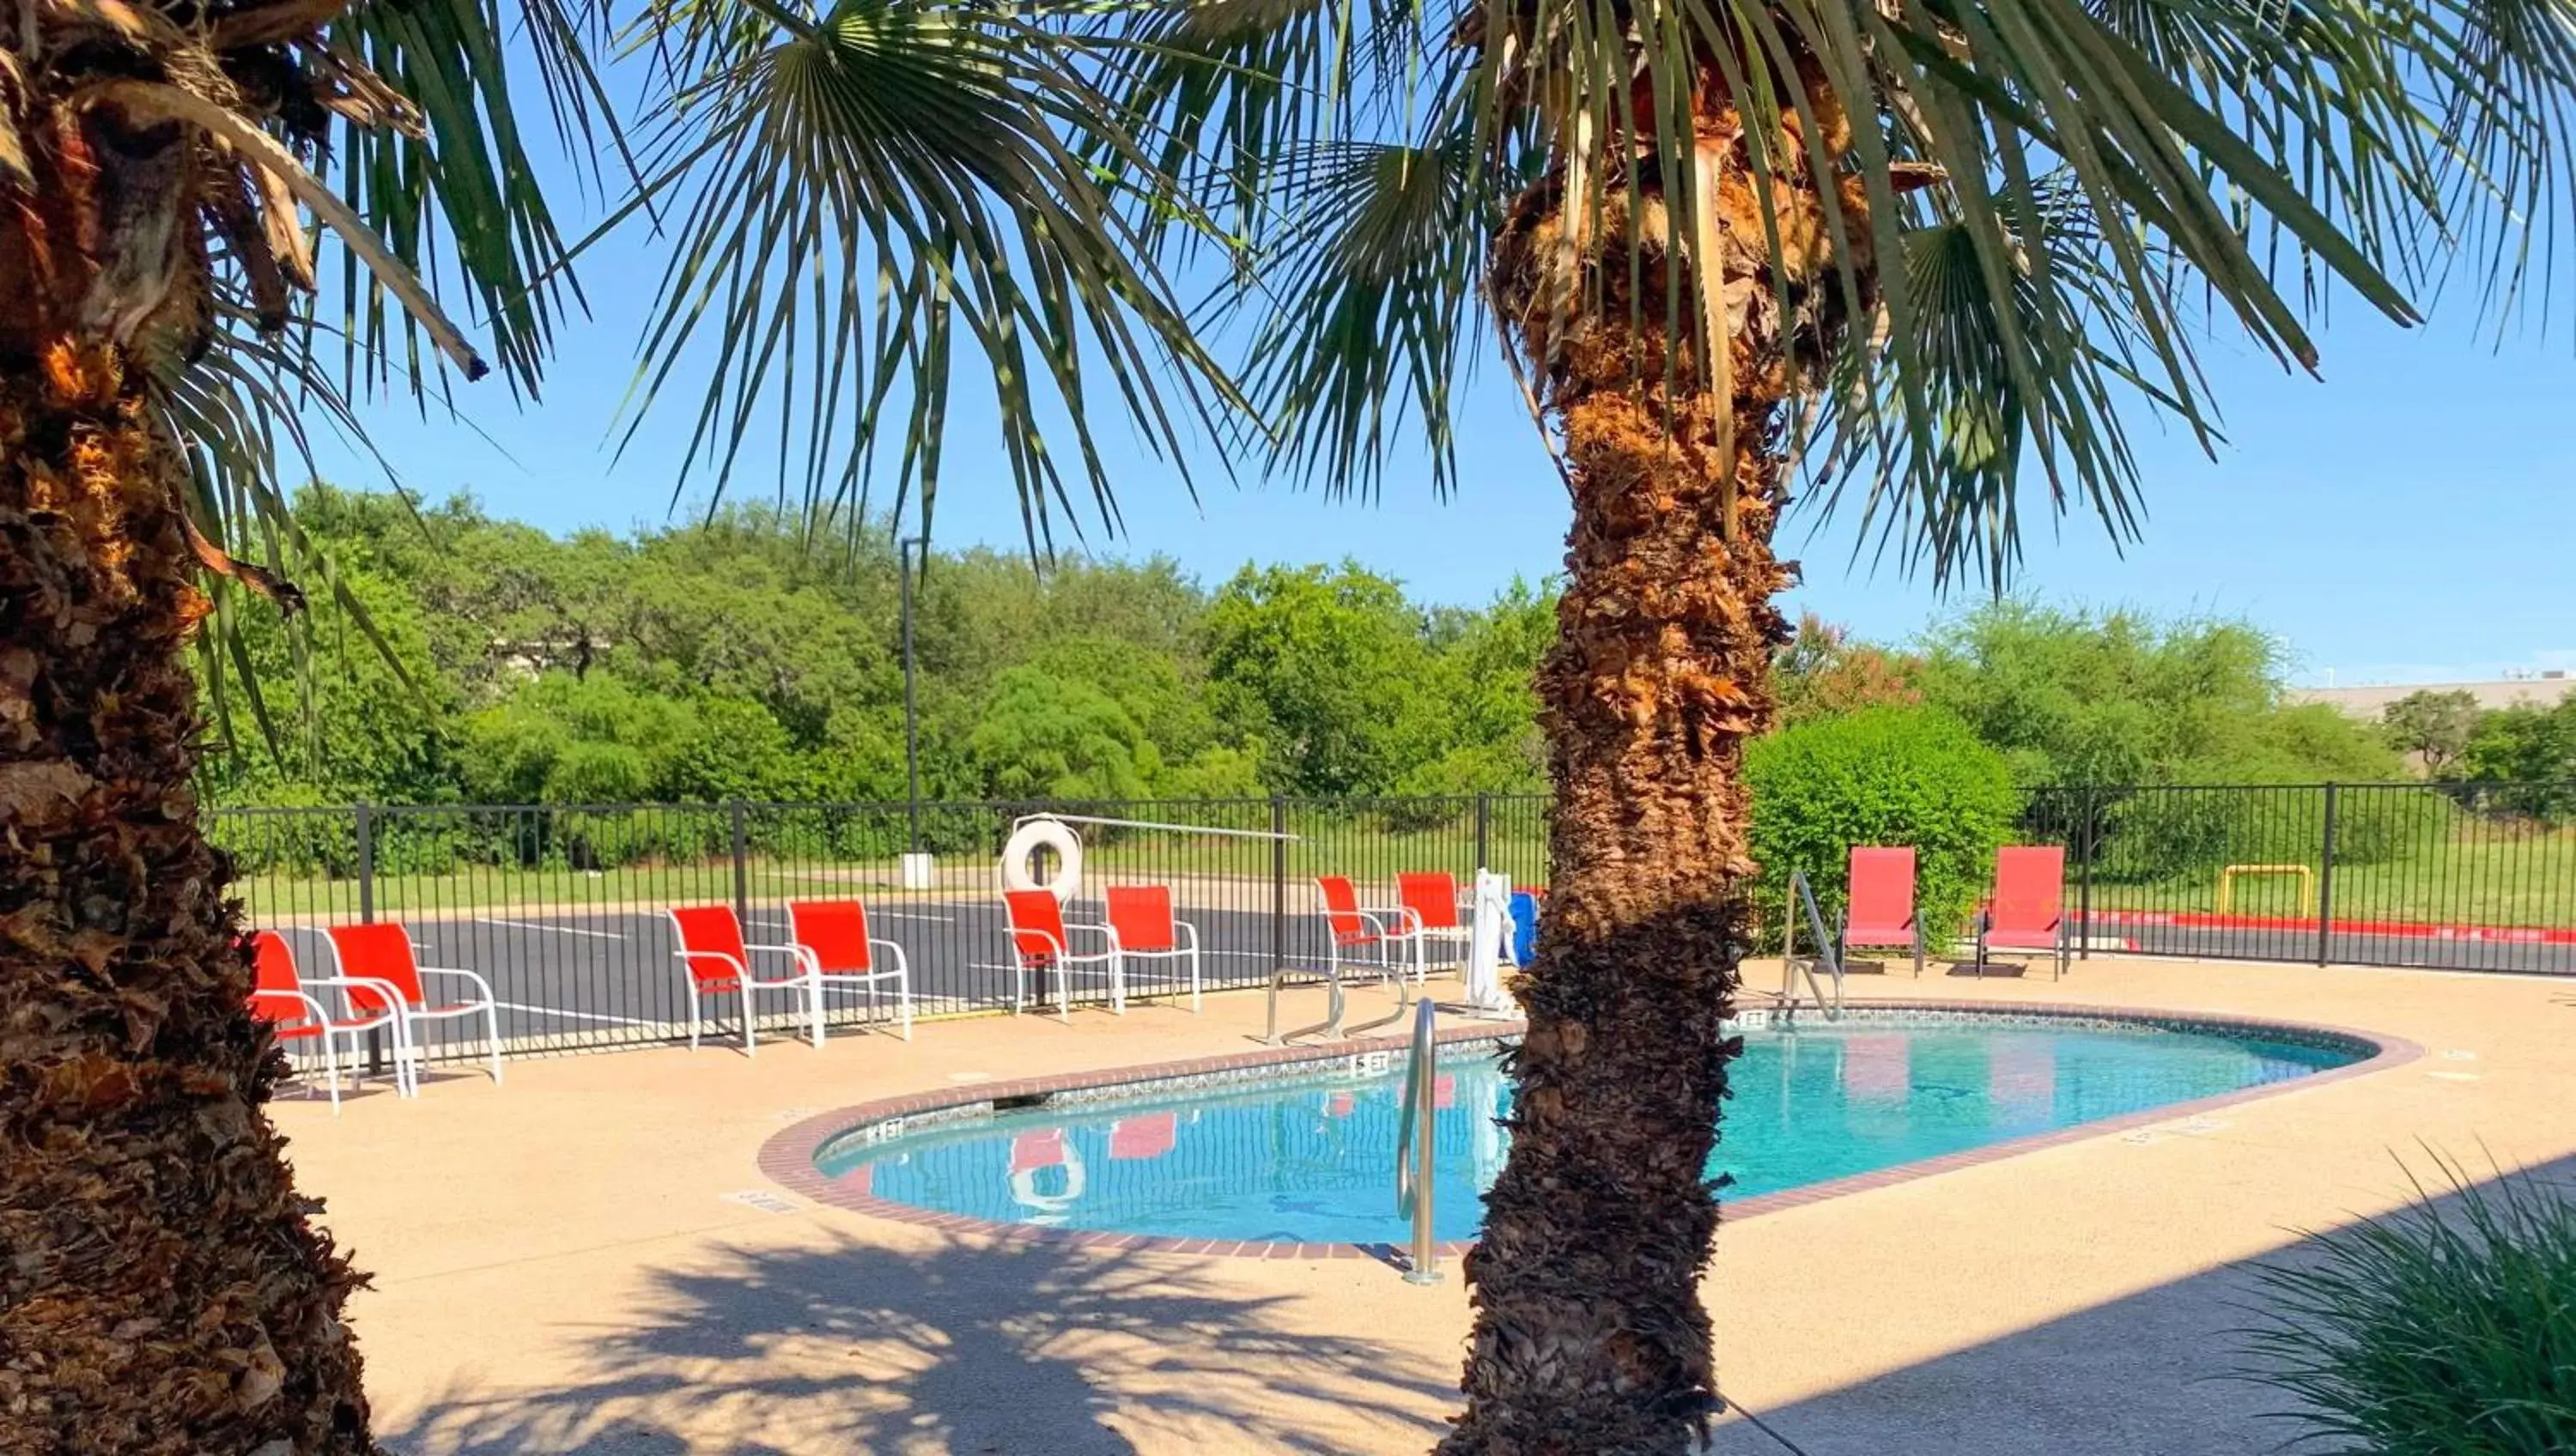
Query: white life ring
(1027, 840)
(1050, 1208)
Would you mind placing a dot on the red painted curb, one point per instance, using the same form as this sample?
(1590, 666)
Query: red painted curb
(2407, 929)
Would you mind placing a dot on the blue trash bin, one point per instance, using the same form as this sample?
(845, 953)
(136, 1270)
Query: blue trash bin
(1524, 927)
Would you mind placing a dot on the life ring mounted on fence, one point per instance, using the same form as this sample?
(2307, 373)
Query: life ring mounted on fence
(1020, 851)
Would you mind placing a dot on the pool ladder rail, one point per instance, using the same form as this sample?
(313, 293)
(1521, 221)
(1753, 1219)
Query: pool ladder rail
(1415, 1142)
(1802, 897)
(1331, 1027)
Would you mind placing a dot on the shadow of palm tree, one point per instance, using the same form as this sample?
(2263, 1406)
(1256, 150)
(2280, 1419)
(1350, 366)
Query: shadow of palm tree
(1011, 1348)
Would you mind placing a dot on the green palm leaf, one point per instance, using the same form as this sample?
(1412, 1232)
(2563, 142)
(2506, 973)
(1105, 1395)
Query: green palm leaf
(856, 199)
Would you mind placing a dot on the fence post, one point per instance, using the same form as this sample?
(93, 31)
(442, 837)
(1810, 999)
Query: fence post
(1278, 884)
(2325, 884)
(2084, 877)
(741, 861)
(366, 826)
(1484, 830)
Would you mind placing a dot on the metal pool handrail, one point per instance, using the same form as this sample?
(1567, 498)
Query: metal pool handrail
(1331, 1026)
(1415, 1142)
(1802, 896)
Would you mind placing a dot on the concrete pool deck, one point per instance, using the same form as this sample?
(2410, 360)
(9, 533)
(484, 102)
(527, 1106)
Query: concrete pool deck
(590, 1260)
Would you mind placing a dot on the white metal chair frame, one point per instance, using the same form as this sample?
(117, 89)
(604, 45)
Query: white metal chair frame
(407, 1039)
(1060, 963)
(900, 975)
(1379, 935)
(327, 1026)
(745, 984)
(1185, 948)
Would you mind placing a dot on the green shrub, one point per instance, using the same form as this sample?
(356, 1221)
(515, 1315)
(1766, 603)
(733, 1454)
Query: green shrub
(1895, 776)
(2440, 1331)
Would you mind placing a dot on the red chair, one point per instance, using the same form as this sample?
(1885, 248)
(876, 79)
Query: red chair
(2028, 911)
(377, 959)
(1881, 912)
(1430, 901)
(1142, 926)
(280, 997)
(719, 964)
(1355, 927)
(831, 938)
(1042, 942)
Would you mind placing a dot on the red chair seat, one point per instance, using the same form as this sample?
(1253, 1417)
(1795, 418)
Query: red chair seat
(1879, 934)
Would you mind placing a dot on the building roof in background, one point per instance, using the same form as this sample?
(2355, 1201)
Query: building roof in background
(2365, 700)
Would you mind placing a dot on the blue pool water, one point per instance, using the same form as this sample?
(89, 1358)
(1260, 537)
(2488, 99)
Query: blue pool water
(1310, 1158)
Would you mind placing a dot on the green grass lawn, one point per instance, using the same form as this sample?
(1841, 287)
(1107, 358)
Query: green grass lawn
(2473, 879)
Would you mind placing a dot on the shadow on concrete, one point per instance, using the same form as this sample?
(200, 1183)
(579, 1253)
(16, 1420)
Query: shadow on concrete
(1015, 1348)
(2155, 1374)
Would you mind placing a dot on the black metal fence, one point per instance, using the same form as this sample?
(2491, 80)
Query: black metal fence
(562, 907)
(2459, 876)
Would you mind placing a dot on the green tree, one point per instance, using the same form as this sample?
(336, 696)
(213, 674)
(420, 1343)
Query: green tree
(2530, 751)
(1963, 241)
(1824, 671)
(2435, 727)
(1044, 737)
(157, 161)
(1328, 670)
(2121, 698)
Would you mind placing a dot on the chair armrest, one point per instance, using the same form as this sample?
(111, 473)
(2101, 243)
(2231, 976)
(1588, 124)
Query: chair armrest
(1188, 933)
(1402, 913)
(312, 1005)
(1055, 947)
(902, 966)
(384, 991)
(480, 984)
(739, 969)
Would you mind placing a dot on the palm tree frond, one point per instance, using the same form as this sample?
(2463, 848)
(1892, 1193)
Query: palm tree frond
(452, 188)
(1366, 307)
(1953, 507)
(923, 160)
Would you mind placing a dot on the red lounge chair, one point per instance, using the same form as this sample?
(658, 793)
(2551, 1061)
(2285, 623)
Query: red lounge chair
(1881, 912)
(831, 939)
(2029, 908)
(1430, 901)
(1041, 942)
(286, 1002)
(1355, 927)
(1143, 927)
(377, 959)
(711, 949)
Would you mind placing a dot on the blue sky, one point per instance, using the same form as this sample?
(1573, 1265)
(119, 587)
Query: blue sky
(2411, 517)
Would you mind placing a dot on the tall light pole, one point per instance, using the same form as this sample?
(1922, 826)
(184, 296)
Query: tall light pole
(911, 715)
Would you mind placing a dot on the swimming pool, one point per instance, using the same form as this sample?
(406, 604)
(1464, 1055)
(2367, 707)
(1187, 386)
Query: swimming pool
(1308, 1156)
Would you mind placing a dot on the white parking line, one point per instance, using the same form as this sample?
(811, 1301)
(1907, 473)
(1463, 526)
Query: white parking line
(541, 925)
(573, 1015)
(912, 915)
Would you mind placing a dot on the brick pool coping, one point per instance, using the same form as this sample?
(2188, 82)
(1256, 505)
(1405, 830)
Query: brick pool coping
(788, 1157)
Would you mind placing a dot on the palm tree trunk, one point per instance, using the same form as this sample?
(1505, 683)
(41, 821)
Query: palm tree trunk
(162, 1287)
(1590, 1334)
